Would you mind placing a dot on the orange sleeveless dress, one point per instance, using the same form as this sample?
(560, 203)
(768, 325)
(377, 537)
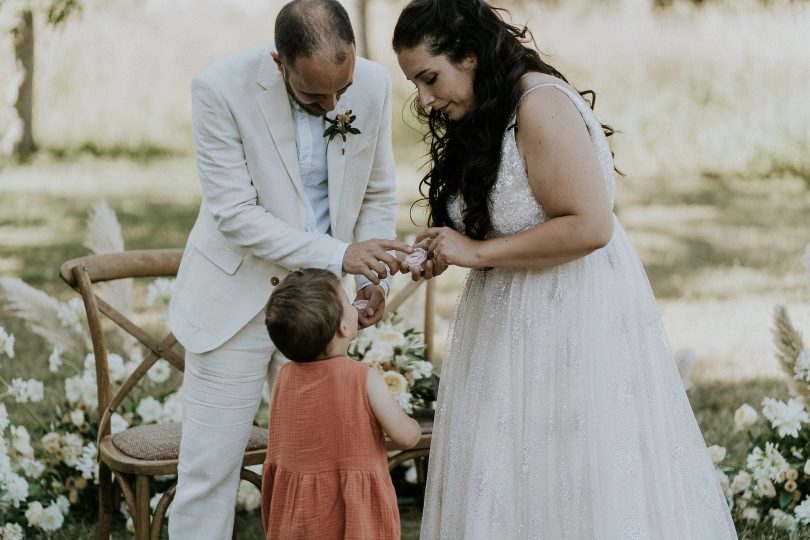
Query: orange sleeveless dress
(326, 473)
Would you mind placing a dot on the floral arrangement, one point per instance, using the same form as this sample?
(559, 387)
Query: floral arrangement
(399, 355)
(52, 470)
(774, 483)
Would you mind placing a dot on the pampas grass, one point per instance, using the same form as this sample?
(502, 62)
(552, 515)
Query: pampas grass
(104, 236)
(40, 313)
(789, 345)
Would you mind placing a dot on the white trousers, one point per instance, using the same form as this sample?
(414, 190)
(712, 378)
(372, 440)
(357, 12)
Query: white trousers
(221, 393)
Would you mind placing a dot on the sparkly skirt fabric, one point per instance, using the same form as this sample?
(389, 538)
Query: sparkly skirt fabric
(561, 414)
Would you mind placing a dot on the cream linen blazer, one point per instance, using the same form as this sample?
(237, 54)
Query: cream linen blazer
(250, 231)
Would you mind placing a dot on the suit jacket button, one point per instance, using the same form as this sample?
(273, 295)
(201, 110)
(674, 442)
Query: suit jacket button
(274, 281)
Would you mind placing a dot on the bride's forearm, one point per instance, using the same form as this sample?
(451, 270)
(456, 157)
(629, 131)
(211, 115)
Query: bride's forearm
(557, 241)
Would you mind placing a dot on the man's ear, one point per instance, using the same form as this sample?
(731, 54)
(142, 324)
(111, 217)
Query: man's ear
(277, 60)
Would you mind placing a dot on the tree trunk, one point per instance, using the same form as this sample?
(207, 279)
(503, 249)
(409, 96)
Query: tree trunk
(362, 29)
(24, 51)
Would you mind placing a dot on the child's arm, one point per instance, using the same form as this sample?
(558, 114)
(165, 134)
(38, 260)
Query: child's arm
(401, 428)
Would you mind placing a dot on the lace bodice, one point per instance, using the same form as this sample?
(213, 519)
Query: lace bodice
(512, 205)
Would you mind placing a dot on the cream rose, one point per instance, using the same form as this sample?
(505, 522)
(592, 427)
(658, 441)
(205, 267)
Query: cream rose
(745, 416)
(396, 382)
(717, 453)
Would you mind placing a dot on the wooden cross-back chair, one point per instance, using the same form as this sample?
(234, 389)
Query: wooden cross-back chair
(136, 455)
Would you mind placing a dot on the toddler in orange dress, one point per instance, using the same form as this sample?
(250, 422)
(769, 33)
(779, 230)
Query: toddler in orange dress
(326, 473)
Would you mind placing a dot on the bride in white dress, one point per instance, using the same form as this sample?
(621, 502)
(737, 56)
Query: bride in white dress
(561, 413)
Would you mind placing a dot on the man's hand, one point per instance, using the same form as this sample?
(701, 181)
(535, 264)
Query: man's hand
(370, 258)
(375, 296)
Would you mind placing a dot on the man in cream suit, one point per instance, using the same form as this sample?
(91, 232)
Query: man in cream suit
(277, 195)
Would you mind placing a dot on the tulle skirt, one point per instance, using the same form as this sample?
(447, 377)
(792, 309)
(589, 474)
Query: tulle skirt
(561, 413)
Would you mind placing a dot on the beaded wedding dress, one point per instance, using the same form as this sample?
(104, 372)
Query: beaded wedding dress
(561, 414)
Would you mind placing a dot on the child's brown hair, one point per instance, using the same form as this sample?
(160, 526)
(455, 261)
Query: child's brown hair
(304, 313)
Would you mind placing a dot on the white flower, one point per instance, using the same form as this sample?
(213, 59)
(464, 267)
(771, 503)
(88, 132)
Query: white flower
(52, 518)
(404, 401)
(396, 382)
(32, 468)
(3, 418)
(160, 371)
(717, 453)
(172, 408)
(33, 514)
(159, 292)
(5, 462)
(366, 338)
(248, 498)
(7, 342)
(807, 468)
(13, 489)
(117, 423)
(24, 391)
(802, 366)
(77, 417)
(782, 520)
(745, 416)
(82, 389)
(71, 314)
(421, 369)
(389, 335)
(72, 445)
(381, 352)
(63, 503)
(766, 488)
(149, 409)
(751, 514)
(767, 464)
(12, 531)
(802, 511)
(741, 482)
(785, 417)
(21, 441)
(55, 360)
(117, 369)
(88, 463)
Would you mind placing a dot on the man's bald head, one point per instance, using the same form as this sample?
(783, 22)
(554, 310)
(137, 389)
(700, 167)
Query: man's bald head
(306, 27)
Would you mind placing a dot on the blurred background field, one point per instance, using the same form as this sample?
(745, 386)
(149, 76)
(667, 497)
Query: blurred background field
(710, 103)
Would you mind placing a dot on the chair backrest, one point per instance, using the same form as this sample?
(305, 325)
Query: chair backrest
(81, 274)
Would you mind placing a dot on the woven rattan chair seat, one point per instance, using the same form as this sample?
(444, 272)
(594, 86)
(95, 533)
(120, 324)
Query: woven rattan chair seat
(161, 442)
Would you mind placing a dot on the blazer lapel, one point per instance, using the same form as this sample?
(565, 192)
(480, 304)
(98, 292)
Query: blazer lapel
(336, 153)
(275, 106)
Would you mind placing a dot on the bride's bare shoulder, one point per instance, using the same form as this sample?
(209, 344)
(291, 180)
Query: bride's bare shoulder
(534, 78)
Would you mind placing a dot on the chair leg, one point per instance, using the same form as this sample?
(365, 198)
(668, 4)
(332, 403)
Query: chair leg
(105, 502)
(142, 511)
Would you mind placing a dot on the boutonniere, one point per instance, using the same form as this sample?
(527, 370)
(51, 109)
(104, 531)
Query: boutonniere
(341, 125)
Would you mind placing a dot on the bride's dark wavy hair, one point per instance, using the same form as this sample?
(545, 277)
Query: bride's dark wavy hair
(465, 154)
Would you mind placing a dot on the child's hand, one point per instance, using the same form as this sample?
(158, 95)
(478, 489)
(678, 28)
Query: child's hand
(370, 302)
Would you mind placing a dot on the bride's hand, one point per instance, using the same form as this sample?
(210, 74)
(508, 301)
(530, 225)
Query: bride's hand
(449, 246)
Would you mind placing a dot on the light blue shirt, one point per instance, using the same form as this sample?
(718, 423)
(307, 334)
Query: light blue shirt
(312, 165)
(311, 145)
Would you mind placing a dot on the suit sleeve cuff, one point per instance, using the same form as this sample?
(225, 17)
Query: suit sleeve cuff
(336, 264)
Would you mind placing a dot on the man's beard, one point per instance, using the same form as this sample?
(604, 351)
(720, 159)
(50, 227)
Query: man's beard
(312, 108)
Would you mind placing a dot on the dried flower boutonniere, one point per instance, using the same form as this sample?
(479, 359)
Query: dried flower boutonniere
(341, 125)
